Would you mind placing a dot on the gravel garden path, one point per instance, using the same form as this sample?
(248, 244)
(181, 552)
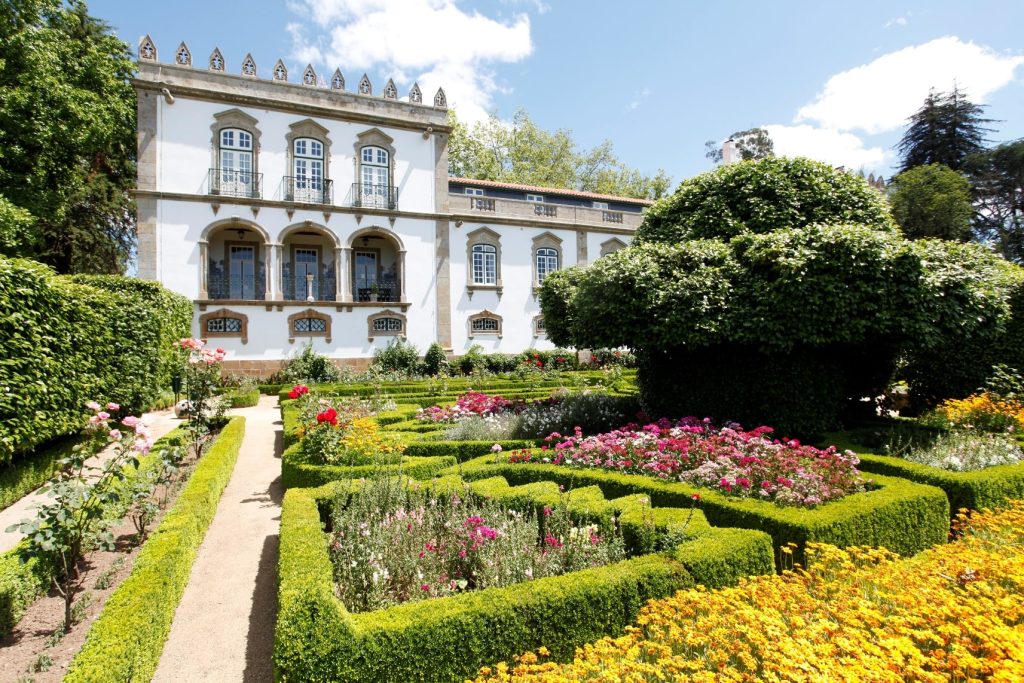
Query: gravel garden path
(160, 422)
(223, 629)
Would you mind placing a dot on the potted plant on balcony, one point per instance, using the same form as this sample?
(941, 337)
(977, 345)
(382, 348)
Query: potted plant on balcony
(374, 291)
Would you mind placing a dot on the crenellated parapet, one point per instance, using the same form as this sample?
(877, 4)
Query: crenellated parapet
(310, 78)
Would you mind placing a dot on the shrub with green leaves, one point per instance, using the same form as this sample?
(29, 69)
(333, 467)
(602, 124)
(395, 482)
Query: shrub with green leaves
(309, 366)
(68, 340)
(774, 291)
(435, 362)
(399, 356)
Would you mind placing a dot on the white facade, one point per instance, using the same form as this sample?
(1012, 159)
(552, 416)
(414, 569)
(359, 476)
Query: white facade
(294, 213)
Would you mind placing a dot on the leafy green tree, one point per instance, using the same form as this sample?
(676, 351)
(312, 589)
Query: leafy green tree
(752, 144)
(932, 201)
(521, 152)
(945, 130)
(775, 291)
(762, 197)
(998, 178)
(67, 135)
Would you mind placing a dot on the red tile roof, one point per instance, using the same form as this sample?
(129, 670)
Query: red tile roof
(558, 191)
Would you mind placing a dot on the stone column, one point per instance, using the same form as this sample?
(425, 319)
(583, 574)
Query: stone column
(442, 283)
(340, 276)
(402, 294)
(275, 280)
(204, 269)
(345, 276)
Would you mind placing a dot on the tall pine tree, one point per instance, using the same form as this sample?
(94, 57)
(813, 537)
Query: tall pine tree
(945, 130)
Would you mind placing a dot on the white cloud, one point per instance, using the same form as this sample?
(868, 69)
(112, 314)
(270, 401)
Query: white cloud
(879, 96)
(433, 42)
(638, 99)
(898, 21)
(825, 144)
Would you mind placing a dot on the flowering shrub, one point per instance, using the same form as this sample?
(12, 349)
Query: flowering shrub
(390, 545)
(967, 451)
(73, 520)
(984, 411)
(341, 433)
(469, 404)
(952, 613)
(740, 463)
(202, 377)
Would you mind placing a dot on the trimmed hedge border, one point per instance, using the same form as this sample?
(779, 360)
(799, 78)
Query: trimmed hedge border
(991, 487)
(126, 641)
(23, 476)
(304, 475)
(448, 639)
(903, 516)
(243, 399)
(22, 582)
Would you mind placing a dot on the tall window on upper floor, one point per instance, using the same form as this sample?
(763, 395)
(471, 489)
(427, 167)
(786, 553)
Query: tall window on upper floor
(308, 170)
(485, 264)
(547, 262)
(235, 167)
(376, 172)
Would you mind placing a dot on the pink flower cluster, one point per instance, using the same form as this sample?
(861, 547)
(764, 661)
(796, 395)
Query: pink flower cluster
(198, 353)
(140, 440)
(735, 462)
(469, 404)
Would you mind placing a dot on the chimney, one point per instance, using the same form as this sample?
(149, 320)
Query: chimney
(729, 153)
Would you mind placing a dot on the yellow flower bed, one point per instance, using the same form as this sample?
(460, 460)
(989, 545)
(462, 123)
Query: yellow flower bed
(953, 613)
(363, 441)
(983, 411)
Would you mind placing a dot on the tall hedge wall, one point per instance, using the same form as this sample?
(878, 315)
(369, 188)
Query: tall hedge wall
(67, 340)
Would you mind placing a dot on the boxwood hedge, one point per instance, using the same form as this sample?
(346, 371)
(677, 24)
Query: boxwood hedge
(991, 487)
(125, 642)
(903, 516)
(448, 639)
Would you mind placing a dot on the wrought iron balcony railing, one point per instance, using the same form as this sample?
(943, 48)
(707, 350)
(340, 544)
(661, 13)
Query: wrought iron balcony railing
(387, 291)
(324, 289)
(374, 196)
(308, 190)
(238, 287)
(229, 182)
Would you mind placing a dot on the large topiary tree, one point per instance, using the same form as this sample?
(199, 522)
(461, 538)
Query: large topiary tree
(773, 292)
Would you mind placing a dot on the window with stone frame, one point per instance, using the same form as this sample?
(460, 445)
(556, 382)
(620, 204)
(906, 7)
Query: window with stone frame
(385, 324)
(309, 323)
(375, 171)
(547, 256)
(236, 141)
(484, 323)
(483, 260)
(224, 323)
(539, 330)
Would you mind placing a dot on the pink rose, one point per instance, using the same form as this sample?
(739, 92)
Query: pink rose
(103, 415)
(93, 405)
(113, 406)
(130, 421)
(115, 435)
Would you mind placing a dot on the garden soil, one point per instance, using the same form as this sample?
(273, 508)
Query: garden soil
(223, 629)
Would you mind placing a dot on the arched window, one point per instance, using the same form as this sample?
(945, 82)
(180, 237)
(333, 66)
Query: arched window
(375, 168)
(385, 324)
(485, 264)
(309, 323)
(308, 170)
(235, 163)
(547, 262)
(224, 323)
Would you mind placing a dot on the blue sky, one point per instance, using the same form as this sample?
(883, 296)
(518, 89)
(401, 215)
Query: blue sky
(831, 80)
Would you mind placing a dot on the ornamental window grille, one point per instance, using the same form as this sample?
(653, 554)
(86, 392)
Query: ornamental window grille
(547, 262)
(223, 325)
(485, 264)
(308, 325)
(484, 325)
(391, 325)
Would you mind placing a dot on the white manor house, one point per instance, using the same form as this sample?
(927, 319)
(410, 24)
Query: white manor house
(293, 211)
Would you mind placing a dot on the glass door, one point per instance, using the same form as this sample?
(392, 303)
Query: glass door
(365, 274)
(242, 271)
(307, 260)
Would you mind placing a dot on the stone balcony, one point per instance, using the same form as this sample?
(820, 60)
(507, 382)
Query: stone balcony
(485, 208)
